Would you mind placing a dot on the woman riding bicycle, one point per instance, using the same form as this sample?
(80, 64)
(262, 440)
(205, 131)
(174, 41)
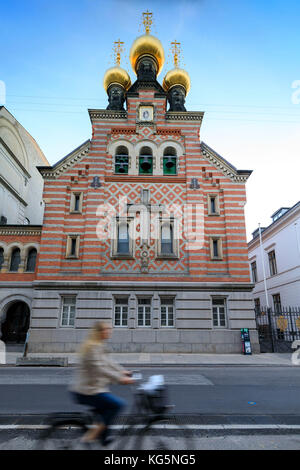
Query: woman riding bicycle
(96, 372)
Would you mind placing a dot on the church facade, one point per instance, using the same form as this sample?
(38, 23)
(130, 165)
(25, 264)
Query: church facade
(143, 226)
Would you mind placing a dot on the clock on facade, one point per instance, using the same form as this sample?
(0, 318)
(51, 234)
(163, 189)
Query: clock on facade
(146, 113)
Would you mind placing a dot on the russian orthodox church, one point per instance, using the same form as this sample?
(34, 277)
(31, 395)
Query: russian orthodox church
(143, 226)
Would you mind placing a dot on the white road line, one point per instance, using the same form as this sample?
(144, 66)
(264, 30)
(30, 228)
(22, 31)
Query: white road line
(4, 427)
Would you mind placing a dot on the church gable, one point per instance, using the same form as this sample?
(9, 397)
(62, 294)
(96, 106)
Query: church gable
(66, 163)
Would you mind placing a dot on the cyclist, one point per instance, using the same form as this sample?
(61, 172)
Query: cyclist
(96, 371)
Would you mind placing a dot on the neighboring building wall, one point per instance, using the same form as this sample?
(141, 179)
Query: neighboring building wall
(283, 237)
(21, 185)
(16, 286)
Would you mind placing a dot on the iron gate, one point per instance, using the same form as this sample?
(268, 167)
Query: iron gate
(277, 329)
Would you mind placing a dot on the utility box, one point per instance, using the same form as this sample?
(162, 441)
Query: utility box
(246, 343)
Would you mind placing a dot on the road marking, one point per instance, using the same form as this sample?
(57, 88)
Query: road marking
(165, 426)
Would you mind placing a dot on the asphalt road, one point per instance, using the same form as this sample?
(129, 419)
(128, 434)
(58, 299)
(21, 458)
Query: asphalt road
(202, 391)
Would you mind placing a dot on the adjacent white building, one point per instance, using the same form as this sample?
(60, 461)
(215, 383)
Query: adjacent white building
(21, 184)
(279, 257)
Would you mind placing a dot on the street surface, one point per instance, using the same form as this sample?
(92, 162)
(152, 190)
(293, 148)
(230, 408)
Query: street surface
(225, 407)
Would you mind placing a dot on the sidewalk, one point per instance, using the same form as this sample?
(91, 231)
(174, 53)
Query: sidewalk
(166, 359)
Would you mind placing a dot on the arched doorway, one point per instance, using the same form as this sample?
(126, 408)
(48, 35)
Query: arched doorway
(16, 323)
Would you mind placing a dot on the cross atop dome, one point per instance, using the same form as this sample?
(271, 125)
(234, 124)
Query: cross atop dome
(147, 21)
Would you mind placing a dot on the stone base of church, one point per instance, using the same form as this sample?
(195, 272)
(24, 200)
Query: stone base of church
(193, 331)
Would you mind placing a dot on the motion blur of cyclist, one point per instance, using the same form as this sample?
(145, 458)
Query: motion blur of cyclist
(95, 372)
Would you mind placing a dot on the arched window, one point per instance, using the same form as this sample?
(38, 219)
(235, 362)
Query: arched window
(170, 161)
(1, 257)
(121, 160)
(15, 260)
(146, 161)
(31, 260)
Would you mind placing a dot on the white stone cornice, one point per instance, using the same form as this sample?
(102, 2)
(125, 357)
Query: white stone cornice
(66, 163)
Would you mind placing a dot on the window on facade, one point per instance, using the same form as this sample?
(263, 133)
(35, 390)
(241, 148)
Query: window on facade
(167, 312)
(146, 161)
(15, 260)
(213, 205)
(216, 248)
(123, 238)
(31, 260)
(254, 271)
(219, 313)
(76, 202)
(121, 312)
(277, 303)
(1, 258)
(170, 161)
(144, 312)
(68, 311)
(72, 246)
(121, 160)
(166, 239)
(257, 306)
(272, 263)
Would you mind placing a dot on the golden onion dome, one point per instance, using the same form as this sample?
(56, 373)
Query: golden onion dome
(177, 76)
(147, 45)
(116, 75)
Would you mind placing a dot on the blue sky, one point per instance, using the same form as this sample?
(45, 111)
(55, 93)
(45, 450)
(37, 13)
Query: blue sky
(242, 57)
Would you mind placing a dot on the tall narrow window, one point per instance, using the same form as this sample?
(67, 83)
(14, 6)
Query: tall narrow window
(121, 160)
(170, 161)
(123, 238)
(15, 260)
(72, 250)
(277, 303)
(146, 161)
(31, 260)
(68, 311)
(219, 313)
(144, 312)
(257, 306)
(166, 239)
(272, 263)
(167, 312)
(1, 258)
(216, 248)
(76, 202)
(254, 271)
(121, 312)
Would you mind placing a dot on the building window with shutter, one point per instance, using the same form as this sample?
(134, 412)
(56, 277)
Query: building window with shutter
(121, 312)
(167, 314)
(144, 312)
(272, 263)
(219, 313)
(277, 303)
(68, 311)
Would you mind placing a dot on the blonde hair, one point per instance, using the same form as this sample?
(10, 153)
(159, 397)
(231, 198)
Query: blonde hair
(93, 337)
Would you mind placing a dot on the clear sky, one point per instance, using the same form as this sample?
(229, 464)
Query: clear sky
(243, 57)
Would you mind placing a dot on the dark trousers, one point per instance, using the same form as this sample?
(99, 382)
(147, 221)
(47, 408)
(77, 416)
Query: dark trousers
(105, 405)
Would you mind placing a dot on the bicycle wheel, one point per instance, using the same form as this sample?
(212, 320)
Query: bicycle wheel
(164, 434)
(63, 436)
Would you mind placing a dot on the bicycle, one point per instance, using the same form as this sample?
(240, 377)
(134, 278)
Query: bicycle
(141, 430)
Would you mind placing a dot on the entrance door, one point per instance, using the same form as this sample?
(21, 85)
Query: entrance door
(16, 325)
